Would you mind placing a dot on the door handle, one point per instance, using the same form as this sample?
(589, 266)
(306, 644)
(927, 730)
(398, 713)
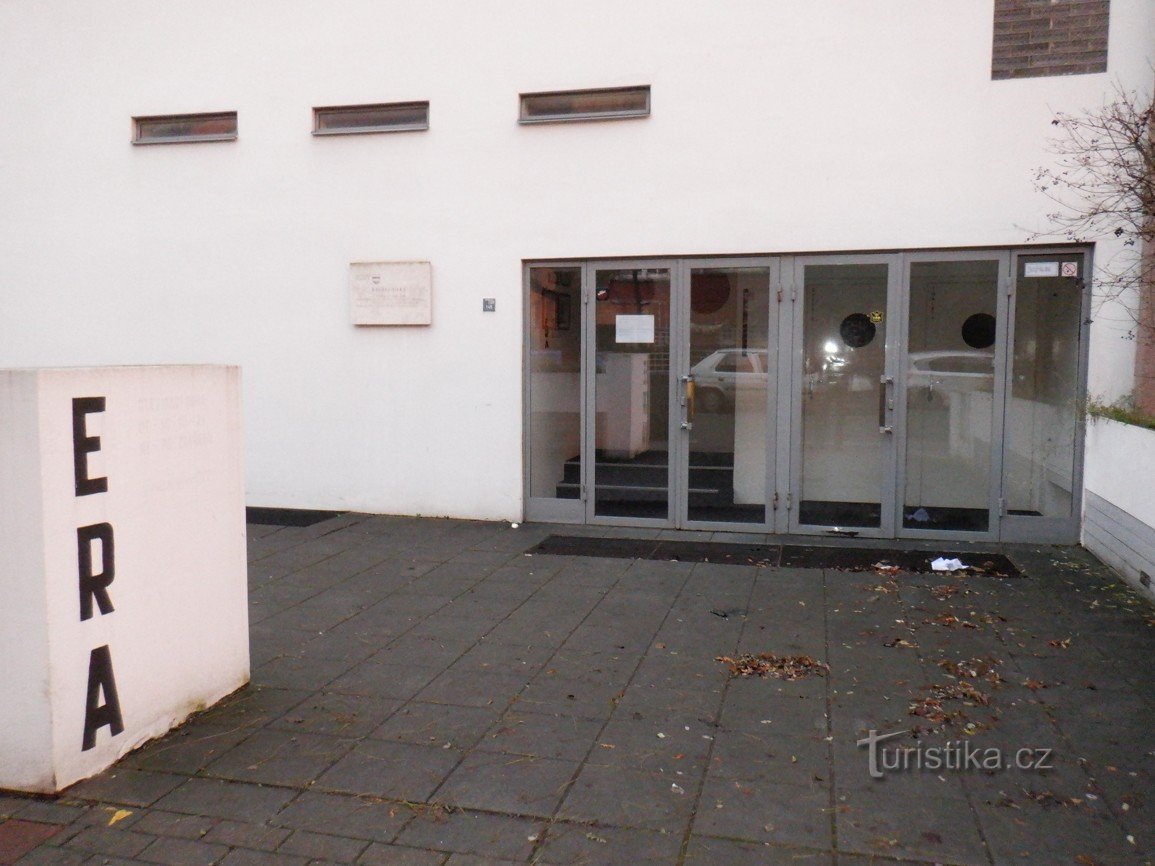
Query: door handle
(884, 384)
(691, 408)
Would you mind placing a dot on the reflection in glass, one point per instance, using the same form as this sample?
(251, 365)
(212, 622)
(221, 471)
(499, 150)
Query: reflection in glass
(631, 388)
(555, 306)
(842, 450)
(730, 365)
(949, 397)
(388, 117)
(1043, 410)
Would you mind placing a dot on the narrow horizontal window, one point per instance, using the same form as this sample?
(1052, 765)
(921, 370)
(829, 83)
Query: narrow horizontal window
(386, 117)
(175, 128)
(606, 104)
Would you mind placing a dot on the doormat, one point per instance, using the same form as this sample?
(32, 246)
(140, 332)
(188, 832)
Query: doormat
(287, 516)
(913, 561)
(651, 548)
(853, 559)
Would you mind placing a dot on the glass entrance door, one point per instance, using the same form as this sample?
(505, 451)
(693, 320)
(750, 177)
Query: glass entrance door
(682, 374)
(898, 394)
(844, 452)
(630, 425)
(953, 346)
(728, 370)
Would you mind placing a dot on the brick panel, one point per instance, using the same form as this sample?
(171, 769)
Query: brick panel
(1049, 37)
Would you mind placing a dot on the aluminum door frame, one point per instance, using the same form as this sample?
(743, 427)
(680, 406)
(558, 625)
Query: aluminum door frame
(589, 395)
(548, 509)
(680, 348)
(1052, 530)
(793, 276)
(995, 482)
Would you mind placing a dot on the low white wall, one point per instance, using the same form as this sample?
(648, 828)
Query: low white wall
(1119, 508)
(123, 574)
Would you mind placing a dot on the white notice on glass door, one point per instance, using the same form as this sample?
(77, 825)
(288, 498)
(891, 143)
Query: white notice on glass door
(1041, 269)
(634, 329)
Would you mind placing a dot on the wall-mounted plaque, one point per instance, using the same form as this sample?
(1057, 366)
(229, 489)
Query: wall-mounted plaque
(391, 293)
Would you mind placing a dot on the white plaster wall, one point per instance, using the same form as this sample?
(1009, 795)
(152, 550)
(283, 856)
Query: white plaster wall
(776, 127)
(1120, 467)
(171, 450)
(25, 712)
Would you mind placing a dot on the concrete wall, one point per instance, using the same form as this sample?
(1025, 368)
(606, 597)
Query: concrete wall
(1119, 510)
(776, 127)
(162, 630)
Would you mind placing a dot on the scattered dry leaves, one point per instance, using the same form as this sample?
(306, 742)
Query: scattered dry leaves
(974, 669)
(777, 667)
(949, 620)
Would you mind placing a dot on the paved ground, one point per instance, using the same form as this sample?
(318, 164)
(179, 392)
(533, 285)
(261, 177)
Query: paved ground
(425, 692)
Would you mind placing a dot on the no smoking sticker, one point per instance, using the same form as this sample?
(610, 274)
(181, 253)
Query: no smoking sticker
(1070, 269)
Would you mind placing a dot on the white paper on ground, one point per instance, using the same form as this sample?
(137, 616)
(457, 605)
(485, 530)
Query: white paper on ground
(942, 564)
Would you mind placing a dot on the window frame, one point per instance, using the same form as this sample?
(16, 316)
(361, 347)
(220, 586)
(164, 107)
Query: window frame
(139, 122)
(319, 111)
(524, 120)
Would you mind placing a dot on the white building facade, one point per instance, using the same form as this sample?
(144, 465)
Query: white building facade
(785, 285)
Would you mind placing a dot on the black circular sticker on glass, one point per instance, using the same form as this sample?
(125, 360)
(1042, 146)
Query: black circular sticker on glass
(978, 331)
(857, 330)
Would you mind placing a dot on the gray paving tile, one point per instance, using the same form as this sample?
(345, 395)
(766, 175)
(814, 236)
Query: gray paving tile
(223, 799)
(305, 674)
(183, 852)
(252, 707)
(292, 759)
(368, 818)
(669, 744)
(323, 846)
(544, 736)
(50, 855)
(466, 832)
(513, 784)
(765, 811)
(173, 825)
(377, 679)
(339, 715)
(402, 771)
(576, 844)
(923, 828)
(245, 857)
(437, 725)
(398, 855)
(126, 786)
(474, 689)
(705, 851)
(237, 834)
(110, 841)
(629, 798)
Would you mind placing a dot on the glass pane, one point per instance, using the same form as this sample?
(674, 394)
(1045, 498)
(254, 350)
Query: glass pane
(631, 386)
(844, 358)
(729, 321)
(401, 116)
(579, 104)
(555, 309)
(1043, 410)
(187, 127)
(950, 395)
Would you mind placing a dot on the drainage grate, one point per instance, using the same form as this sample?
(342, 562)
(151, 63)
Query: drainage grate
(766, 555)
(287, 516)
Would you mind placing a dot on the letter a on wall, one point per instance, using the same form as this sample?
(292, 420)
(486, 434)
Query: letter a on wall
(96, 714)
